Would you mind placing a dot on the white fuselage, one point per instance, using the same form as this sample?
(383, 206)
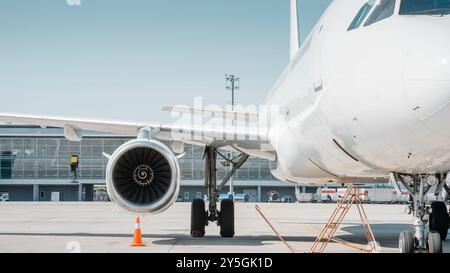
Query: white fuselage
(381, 93)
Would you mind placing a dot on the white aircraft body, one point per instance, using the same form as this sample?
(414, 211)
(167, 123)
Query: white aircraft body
(381, 92)
(366, 96)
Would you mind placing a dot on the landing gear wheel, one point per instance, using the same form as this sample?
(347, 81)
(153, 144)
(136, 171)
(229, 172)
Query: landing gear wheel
(406, 242)
(434, 242)
(226, 218)
(198, 218)
(439, 219)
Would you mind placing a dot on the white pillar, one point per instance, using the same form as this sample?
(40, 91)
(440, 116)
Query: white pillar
(35, 192)
(259, 193)
(80, 192)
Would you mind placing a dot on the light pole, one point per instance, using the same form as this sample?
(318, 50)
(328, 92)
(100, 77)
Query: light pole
(233, 84)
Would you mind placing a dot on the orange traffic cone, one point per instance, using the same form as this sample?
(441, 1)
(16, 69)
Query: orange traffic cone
(137, 238)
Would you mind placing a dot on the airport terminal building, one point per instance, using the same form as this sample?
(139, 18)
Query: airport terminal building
(35, 166)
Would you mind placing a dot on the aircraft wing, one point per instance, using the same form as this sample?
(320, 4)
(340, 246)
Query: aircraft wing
(245, 140)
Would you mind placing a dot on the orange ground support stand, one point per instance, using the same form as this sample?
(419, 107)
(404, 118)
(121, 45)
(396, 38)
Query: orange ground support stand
(350, 197)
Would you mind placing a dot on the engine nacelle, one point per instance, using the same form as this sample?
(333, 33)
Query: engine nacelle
(143, 177)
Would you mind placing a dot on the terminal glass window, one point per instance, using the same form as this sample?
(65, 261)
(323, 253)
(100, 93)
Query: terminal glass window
(424, 7)
(362, 14)
(383, 9)
(41, 157)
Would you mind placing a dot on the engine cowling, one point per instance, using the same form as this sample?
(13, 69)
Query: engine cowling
(143, 177)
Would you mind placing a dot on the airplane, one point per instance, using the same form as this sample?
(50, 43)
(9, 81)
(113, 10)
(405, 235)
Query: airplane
(365, 97)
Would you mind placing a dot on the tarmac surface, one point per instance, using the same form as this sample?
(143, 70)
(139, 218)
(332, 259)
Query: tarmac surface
(100, 227)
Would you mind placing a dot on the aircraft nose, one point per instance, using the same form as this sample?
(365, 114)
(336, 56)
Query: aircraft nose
(427, 84)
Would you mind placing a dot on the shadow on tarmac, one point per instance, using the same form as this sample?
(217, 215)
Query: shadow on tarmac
(385, 234)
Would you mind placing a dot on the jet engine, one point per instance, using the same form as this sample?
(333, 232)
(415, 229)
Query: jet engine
(143, 177)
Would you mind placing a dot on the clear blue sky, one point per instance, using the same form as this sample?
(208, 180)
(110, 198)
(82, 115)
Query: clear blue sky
(126, 59)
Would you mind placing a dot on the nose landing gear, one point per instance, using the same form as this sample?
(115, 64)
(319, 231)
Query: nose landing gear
(435, 215)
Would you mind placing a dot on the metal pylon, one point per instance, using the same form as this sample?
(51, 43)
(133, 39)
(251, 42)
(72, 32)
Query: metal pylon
(350, 197)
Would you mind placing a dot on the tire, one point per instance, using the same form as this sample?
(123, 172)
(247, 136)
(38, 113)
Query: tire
(434, 242)
(439, 219)
(226, 218)
(198, 218)
(406, 242)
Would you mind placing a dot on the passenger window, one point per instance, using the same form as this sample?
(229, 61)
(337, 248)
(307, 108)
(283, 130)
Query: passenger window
(362, 14)
(383, 9)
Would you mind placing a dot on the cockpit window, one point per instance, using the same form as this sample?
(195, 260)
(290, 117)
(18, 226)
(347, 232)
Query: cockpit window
(383, 9)
(424, 7)
(362, 14)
